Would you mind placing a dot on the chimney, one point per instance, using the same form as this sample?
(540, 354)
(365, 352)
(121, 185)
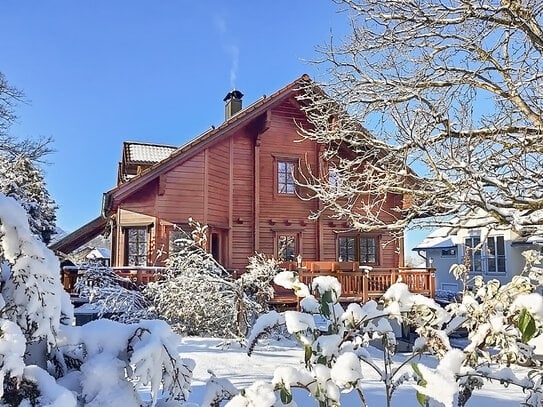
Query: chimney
(233, 103)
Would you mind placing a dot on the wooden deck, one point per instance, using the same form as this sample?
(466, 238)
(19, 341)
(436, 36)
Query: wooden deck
(360, 284)
(136, 274)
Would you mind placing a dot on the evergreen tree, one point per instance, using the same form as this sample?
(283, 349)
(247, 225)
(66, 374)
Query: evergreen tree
(22, 180)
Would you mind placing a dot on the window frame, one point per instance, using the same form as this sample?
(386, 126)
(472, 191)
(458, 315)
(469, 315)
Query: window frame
(493, 255)
(280, 176)
(446, 252)
(128, 242)
(358, 239)
(296, 243)
(491, 252)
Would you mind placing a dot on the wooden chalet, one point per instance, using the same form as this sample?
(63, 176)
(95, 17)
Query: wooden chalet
(238, 179)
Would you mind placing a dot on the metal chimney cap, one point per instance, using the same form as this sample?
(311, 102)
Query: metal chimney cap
(235, 94)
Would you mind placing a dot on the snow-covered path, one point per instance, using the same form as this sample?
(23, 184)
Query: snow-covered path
(233, 363)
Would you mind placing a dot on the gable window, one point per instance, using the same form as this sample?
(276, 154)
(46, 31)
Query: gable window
(360, 248)
(285, 177)
(136, 246)
(333, 178)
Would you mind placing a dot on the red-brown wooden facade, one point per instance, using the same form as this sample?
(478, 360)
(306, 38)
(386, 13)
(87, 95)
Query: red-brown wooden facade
(228, 178)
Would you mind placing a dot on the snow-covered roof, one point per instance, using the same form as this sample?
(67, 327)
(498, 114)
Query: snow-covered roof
(437, 243)
(147, 153)
(441, 238)
(99, 253)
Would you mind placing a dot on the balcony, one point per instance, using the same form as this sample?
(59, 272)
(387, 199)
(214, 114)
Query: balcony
(359, 283)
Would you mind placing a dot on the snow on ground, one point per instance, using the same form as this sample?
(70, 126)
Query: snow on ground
(233, 363)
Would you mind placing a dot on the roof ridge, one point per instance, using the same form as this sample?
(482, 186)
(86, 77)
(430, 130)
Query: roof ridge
(143, 143)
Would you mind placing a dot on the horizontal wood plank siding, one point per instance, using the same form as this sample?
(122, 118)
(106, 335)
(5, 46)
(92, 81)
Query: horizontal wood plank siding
(218, 183)
(214, 183)
(184, 192)
(284, 213)
(242, 235)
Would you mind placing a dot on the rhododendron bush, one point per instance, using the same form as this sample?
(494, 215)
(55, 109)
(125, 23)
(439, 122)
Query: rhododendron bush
(500, 321)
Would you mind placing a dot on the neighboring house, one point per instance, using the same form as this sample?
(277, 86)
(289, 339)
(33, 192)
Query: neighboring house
(237, 178)
(87, 243)
(492, 253)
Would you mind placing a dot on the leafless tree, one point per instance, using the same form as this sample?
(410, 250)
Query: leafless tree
(435, 108)
(10, 146)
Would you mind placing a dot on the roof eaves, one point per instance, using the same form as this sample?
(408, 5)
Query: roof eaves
(92, 228)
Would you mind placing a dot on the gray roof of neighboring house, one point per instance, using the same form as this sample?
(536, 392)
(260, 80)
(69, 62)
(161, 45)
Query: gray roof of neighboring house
(147, 153)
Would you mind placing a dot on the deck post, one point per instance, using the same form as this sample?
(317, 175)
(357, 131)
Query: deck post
(365, 288)
(432, 282)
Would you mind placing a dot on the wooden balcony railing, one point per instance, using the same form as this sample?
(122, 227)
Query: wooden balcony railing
(136, 274)
(360, 284)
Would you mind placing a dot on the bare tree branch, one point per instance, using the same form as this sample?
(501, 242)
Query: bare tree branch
(436, 108)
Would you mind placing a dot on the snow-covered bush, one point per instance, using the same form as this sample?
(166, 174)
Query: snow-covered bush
(336, 353)
(198, 296)
(113, 296)
(45, 361)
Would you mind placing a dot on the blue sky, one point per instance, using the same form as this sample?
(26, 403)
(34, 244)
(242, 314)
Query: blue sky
(97, 73)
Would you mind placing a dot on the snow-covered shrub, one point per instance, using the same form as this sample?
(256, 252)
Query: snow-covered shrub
(113, 356)
(336, 353)
(45, 361)
(113, 296)
(257, 280)
(198, 296)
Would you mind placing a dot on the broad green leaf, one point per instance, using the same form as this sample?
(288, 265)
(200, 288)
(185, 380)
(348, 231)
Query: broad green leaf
(526, 325)
(327, 296)
(421, 398)
(286, 396)
(307, 353)
(325, 309)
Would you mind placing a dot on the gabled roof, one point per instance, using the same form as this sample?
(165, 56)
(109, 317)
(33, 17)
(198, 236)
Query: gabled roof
(243, 117)
(80, 236)
(144, 153)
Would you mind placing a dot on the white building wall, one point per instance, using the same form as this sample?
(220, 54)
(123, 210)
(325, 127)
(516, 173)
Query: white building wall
(514, 261)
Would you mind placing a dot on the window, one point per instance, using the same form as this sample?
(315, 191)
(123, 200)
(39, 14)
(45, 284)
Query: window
(136, 246)
(495, 246)
(363, 249)
(488, 257)
(285, 177)
(333, 178)
(347, 250)
(448, 252)
(287, 247)
(473, 254)
(368, 250)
